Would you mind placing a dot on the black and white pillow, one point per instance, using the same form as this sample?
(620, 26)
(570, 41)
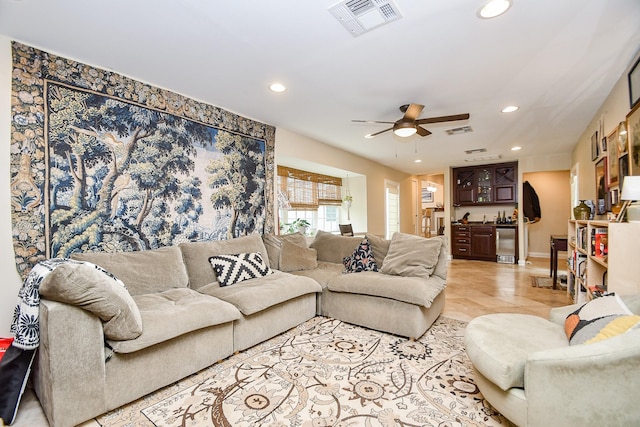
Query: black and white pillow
(235, 268)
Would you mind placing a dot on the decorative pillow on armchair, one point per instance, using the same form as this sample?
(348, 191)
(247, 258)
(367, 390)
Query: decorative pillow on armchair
(599, 319)
(361, 259)
(412, 256)
(235, 268)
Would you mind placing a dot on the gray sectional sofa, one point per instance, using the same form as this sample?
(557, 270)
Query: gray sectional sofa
(177, 319)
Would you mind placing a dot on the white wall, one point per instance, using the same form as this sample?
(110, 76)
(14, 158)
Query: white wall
(11, 282)
(367, 188)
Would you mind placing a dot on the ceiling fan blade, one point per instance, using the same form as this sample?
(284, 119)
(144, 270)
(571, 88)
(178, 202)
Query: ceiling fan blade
(442, 119)
(413, 111)
(422, 131)
(371, 121)
(371, 135)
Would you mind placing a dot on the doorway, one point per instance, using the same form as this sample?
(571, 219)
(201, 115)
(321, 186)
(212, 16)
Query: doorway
(392, 207)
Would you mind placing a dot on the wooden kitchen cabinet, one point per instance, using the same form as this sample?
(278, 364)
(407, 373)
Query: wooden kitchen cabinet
(483, 242)
(461, 241)
(485, 185)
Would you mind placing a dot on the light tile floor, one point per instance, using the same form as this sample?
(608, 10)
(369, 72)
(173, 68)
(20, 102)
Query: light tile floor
(474, 288)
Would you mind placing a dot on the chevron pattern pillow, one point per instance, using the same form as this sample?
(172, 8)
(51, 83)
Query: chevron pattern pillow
(235, 268)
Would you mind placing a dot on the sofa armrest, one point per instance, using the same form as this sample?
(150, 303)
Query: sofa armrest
(69, 374)
(588, 384)
(558, 315)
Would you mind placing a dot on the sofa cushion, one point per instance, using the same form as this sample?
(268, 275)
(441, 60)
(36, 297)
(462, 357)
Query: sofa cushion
(175, 312)
(379, 246)
(294, 257)
(143, 272)
(599, 319)
(498, 344)
(254, 295)
(323, 274)
(196, 256)
(443, 259)
(413, 290)
(361, 259)
(89, 286)
(274, 243)
(333, 248)
(411, 255)
(234, 268)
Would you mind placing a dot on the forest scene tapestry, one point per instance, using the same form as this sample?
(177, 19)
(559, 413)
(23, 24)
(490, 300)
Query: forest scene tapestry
(101, 162)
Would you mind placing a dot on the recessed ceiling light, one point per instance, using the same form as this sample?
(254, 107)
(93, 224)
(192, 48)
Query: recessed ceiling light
(510, 109)
(277, 87)
(417, 161)
(516, 148)
(493, 8)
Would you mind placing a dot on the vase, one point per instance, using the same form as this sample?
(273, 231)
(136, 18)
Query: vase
(582, 211)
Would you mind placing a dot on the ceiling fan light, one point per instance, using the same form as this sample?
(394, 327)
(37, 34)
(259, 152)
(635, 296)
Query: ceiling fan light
(405, 129)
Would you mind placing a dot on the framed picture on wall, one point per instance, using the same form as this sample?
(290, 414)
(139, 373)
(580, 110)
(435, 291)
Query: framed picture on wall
(427, 196)
(612, 145)
(634, 84)
(601, 186)
(633, 137)
(595, 147)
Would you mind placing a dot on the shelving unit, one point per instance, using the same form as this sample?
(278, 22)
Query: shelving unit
(602, 257)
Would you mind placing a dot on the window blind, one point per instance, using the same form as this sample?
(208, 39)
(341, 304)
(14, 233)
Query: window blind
(308, 190)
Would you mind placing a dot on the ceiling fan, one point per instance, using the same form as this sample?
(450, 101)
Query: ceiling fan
(409, 124)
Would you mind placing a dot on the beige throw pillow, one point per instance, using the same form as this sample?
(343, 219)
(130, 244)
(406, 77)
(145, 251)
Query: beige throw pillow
(92, 288)
(379, 246)
(294, 257)
(411, 255)
(274, 243)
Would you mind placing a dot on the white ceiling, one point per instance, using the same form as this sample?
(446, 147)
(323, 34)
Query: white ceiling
(557, 60)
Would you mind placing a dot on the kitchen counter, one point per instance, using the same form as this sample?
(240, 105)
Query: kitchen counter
(473, 223)
(485, 241)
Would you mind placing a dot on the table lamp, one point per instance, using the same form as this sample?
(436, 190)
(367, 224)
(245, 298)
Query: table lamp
(631, 197)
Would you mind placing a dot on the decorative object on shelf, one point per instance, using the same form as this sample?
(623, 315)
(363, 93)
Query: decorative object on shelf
(633, 137)
(631, 197)
(582, 211)
(634, 84)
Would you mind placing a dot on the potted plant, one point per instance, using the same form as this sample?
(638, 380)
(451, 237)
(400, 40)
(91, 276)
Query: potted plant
(299, 225)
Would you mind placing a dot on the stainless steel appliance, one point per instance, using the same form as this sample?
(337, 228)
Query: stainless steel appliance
(506, 245)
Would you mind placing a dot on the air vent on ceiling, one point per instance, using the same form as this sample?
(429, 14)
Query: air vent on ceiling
(484, 158)
(457, 131)
(475, 150)
(360, 16)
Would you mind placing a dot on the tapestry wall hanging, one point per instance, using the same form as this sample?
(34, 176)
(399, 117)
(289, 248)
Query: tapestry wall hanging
(101, 162)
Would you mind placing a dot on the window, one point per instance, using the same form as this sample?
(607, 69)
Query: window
(311, 196)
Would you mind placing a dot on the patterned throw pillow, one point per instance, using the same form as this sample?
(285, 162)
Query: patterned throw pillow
(235, 268)
(599, 319)
(361, 259)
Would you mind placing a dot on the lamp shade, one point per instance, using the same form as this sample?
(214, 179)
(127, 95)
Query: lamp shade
(404, 129)
(630, 188)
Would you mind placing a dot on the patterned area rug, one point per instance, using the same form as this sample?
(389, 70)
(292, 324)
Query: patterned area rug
(327, 373)
(547, 282)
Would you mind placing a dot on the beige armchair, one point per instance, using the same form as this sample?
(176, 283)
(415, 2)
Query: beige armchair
(525, 367)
